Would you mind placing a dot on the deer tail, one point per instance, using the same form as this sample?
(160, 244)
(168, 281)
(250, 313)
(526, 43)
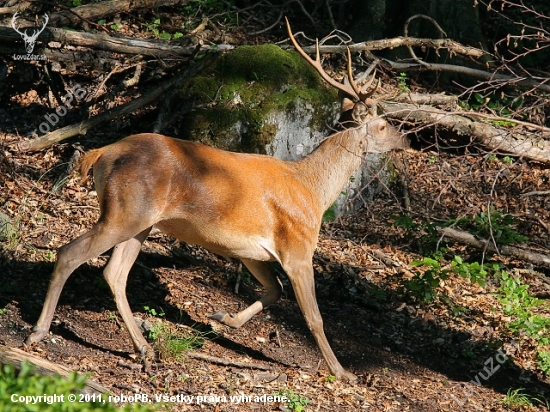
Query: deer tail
(87, 161)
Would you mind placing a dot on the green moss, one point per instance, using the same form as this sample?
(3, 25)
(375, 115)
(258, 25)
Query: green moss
(245, 86)
(270, 64)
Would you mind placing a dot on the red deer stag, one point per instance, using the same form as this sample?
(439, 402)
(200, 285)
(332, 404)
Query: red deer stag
(252, 207)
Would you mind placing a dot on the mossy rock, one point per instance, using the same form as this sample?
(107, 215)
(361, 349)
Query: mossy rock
(248, 84)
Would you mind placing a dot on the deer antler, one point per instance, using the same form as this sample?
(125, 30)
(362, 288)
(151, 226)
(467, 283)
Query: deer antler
(350, 89)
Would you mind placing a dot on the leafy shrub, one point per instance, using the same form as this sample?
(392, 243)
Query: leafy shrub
(14, 386)
(423, 285)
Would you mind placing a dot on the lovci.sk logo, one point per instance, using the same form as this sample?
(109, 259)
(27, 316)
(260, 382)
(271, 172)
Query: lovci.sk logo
(30, 41)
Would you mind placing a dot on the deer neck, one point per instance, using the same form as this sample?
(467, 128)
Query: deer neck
(328, 168)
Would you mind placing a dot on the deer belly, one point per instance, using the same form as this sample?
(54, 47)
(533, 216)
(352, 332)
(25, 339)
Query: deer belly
(222, 242)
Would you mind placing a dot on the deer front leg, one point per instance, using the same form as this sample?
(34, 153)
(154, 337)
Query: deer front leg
(116, 274)
(266, 276)
(302, 279)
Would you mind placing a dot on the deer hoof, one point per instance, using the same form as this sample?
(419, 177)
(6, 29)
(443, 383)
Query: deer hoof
(225, 318)
(36, 336)
(147, 352)
(348, 377)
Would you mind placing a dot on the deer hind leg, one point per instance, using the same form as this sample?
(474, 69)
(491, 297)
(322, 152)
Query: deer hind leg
(116, 273)
(302, 280)
(91, 244)
(266, 276)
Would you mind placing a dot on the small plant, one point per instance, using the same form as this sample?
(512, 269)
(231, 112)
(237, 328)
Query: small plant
(330, 214)
(518, 304)
(422, 285)
(111, 316)
(330, 378)
(515, 399)
(402, 83)
(544, 362)
(495, 222)
(153, 312)
(3, 311)
(473, 271)
(505, 160)
(171, 344)
(497, 103)
(429, 237)
(378, 294)
(9, 234)
(154, 28)
(295, 402)
(49, 256)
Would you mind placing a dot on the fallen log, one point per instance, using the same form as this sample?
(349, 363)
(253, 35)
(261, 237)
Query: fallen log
(106, 8)
(14, 357)
(97, 41)
(466, 238)
(429, 99)
(372, 45)
(525, 140)
(93, 11)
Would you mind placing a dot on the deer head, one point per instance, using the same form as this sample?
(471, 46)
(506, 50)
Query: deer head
(29, 40)
(358, 108)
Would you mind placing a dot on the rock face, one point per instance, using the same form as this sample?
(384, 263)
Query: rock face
(296, 135)
(266, 100)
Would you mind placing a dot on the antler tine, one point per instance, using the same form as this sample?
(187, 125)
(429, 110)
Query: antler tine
(347, 89)
(363, 96)
(366, 95)
(350, 76)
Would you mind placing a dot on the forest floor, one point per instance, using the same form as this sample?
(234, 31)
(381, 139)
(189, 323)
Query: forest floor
(409, 354)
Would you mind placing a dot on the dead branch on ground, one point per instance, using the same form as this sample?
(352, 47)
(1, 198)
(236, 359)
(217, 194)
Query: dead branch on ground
(516, 141)
(538, 259)
(229, 362)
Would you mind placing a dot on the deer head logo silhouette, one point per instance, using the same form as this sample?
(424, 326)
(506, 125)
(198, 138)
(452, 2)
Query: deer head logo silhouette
(29, 40)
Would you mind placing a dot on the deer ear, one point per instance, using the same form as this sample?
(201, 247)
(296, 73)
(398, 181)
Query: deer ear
(347, 105)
